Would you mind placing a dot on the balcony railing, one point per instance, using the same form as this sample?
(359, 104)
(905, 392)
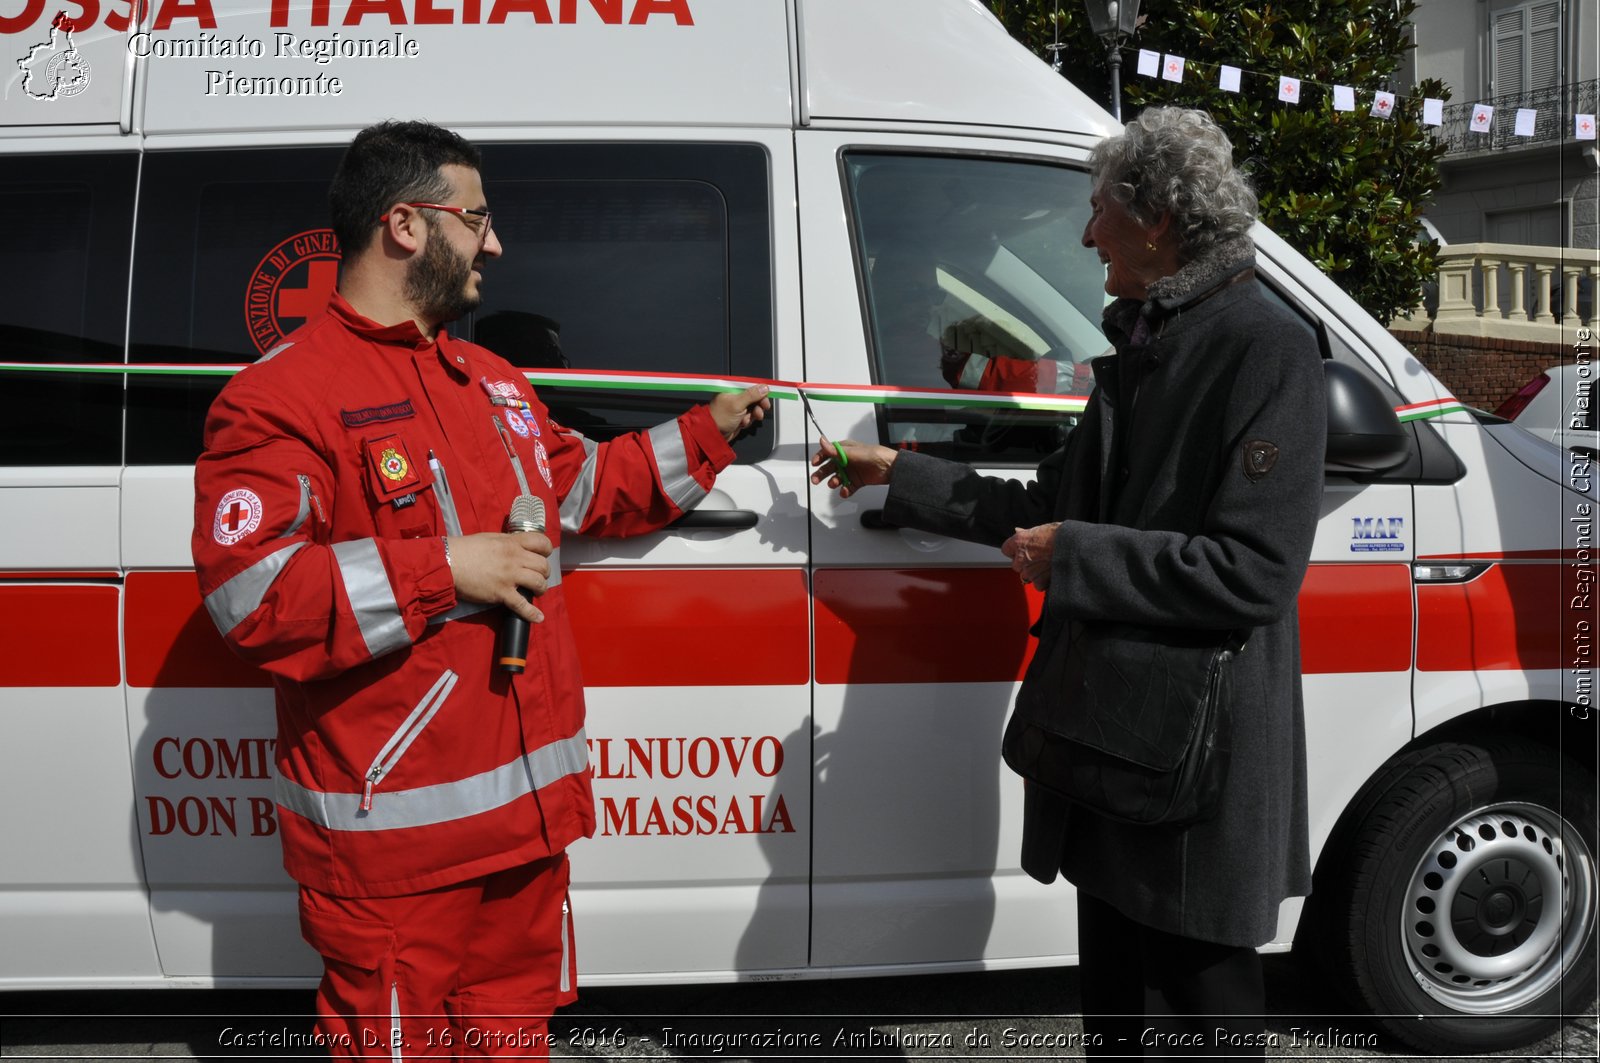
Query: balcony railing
(1512, 291)
(1556, 106)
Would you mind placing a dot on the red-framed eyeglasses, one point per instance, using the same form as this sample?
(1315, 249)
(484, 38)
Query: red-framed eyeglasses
(461, 212)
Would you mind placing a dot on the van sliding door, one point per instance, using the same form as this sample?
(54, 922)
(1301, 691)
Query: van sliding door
(635, 280)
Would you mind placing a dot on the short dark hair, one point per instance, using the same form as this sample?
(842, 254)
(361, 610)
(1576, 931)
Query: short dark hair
(389, 163)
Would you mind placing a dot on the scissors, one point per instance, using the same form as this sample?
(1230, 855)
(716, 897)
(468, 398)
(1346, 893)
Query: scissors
(822, 436)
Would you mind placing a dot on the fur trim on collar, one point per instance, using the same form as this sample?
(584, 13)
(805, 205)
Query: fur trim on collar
(1170, 294)
(1220, 262)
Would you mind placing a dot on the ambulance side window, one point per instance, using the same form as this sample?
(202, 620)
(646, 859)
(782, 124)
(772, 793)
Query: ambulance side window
(975, 279)
(233, 251)
(630, 258)
(64, 258)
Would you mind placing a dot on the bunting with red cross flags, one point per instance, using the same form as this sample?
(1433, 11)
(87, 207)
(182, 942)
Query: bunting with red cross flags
(1384, 103)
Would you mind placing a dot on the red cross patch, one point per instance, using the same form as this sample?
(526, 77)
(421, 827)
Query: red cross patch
(395, 472)
(238, 514)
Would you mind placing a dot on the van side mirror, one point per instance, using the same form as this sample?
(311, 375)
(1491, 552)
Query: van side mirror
(1364, 434)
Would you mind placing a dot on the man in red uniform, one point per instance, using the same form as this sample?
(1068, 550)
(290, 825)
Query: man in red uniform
(348, 516)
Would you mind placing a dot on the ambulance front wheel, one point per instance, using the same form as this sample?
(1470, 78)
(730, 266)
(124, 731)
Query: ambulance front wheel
(1463, 913)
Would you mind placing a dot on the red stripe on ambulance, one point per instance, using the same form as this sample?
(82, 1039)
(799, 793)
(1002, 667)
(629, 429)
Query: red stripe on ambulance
(635, 628)
(690, 627)
(954, 625)
(967, 625)
(171, 640)
(1508, 618)
(1355, 618)
(749, 628)
(59, 636)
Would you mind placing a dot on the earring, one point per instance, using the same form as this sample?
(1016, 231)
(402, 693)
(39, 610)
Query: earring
(1148, 246)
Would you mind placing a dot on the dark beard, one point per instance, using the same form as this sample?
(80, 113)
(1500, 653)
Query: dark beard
(436, 283)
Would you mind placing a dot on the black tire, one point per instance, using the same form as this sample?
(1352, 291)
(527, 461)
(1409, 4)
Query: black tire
(1462, 914)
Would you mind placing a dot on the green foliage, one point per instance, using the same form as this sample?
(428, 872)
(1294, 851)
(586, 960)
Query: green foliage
(1040, 24)
(1345, 188)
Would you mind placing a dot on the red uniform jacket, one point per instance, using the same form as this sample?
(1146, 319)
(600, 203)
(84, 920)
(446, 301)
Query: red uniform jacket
(978, 372)
(332, 470)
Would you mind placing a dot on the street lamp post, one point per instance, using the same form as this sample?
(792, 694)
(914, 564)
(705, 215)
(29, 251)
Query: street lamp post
(1113, 21)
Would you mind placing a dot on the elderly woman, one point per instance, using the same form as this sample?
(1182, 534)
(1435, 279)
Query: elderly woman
(1186, 498)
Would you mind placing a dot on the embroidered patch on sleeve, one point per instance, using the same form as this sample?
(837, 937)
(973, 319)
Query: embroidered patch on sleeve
(1259, 458)
(238, 514)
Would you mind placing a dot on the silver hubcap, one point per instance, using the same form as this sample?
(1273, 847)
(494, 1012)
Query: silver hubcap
(1498, 908)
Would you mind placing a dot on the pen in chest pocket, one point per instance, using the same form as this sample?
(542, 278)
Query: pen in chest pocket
(511, 453)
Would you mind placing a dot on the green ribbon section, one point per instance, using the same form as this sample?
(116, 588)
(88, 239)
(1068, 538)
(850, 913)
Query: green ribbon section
(956, 400)
(1440, 411)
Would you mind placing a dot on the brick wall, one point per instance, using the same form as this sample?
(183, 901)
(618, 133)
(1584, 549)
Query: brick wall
(1480, 371)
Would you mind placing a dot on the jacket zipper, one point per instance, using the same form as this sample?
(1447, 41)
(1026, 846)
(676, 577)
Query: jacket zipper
(309, 502)
(566, 943)
(396, 1053)
(401, 740)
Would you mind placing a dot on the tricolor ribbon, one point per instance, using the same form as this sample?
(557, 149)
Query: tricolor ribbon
(1422, 411)
(670, 383)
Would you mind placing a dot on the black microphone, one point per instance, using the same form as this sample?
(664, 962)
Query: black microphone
(511, 652)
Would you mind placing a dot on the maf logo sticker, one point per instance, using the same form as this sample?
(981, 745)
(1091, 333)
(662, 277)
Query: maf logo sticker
(1377, 535)
(291, 285)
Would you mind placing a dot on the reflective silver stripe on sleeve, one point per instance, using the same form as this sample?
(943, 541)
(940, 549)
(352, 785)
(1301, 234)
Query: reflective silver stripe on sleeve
(672, 462)
(462, 609)
(1061, 383)
(443, 802)
(305, 507)
(972, 372)
(242, 595)
(575, 507)
(270, 355)
(366, 584)
(470, 608)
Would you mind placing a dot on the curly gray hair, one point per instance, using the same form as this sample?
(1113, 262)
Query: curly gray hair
(1175, 160)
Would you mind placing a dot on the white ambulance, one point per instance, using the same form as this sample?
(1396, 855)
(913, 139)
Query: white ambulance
(794, 710)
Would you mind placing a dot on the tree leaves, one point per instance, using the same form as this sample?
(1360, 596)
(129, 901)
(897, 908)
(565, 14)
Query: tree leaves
(1345, 188)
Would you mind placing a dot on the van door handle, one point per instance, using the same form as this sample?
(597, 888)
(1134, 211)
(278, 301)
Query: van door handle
(718, 519)
(873, 520)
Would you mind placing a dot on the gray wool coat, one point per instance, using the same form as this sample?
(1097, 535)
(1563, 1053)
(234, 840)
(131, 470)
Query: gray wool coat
(1188, 496)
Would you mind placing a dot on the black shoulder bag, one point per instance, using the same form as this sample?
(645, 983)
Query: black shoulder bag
(1132, 722)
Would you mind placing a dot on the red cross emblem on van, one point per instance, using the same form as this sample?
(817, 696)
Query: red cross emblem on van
(291, 285)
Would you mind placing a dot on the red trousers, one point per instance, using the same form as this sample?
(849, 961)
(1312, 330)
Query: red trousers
(469, 970)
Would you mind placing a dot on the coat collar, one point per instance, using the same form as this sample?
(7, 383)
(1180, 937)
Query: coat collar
(1223, 264)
